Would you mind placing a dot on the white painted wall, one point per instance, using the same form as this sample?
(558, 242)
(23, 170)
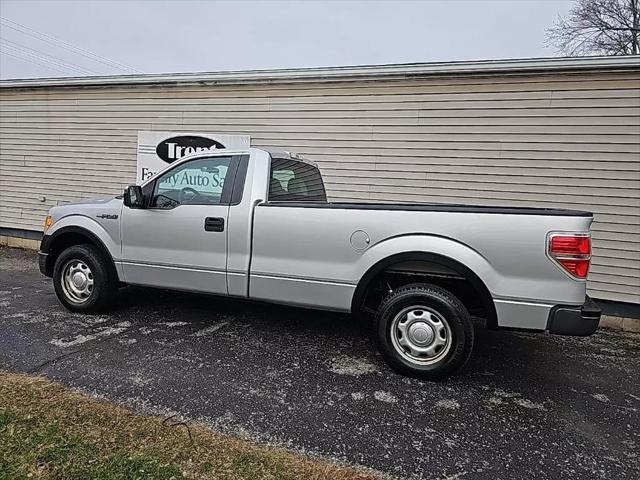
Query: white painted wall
(562, 139)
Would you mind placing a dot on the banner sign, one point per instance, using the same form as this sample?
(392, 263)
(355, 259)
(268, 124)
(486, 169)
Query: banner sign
(158, 149)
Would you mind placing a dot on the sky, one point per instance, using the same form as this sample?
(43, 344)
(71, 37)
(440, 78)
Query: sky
(75, 38)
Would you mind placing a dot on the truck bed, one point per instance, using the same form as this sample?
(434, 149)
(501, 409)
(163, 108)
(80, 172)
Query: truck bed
(434, 207)
(313, 254)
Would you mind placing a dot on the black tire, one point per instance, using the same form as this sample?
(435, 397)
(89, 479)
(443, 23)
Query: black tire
(101, 294)
(429, 307)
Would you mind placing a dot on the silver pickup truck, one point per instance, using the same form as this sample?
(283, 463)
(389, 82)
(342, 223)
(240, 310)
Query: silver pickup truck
(257, 224)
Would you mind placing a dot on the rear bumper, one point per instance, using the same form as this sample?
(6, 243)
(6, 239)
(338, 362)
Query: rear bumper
(575, 320)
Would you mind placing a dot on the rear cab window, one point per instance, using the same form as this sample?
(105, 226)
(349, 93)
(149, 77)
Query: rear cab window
(295, 181)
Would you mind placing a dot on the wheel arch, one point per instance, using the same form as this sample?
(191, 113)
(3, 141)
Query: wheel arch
(433, 258)
(69, 236)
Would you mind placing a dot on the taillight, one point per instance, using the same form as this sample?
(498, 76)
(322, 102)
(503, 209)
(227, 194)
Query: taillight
(572, 251)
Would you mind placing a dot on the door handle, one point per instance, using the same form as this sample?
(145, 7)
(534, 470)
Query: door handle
(214, 224)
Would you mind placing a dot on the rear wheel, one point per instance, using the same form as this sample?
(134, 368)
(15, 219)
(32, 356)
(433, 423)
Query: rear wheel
(424, 331)
(83, 280)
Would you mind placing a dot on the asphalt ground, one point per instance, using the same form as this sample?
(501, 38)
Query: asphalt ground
(528, 406)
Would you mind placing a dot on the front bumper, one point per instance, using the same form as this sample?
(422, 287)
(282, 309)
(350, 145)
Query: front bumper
(43, 255)
(571, 320)
(42, 263)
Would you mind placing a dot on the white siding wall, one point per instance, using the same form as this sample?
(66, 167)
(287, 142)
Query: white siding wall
(555, 140)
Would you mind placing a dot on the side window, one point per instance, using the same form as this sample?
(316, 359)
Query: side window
(294, 181)
(196, 182)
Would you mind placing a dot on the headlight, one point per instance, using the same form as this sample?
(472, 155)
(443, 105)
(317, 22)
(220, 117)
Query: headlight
(48, 222)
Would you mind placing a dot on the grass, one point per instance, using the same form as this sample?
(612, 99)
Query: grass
(50, 432)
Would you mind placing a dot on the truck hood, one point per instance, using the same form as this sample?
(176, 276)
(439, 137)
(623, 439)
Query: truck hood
(92, 201)
(91, 208)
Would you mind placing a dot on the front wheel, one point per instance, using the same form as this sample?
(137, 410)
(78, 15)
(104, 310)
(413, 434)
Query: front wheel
(83, 280)
(424, 331)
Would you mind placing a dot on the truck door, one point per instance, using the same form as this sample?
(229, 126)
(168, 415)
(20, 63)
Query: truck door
(179, 240)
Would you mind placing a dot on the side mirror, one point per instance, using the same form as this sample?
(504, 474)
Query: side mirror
(132, 197)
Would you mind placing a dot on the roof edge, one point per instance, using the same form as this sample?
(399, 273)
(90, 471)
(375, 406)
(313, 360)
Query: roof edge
(342, 73)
